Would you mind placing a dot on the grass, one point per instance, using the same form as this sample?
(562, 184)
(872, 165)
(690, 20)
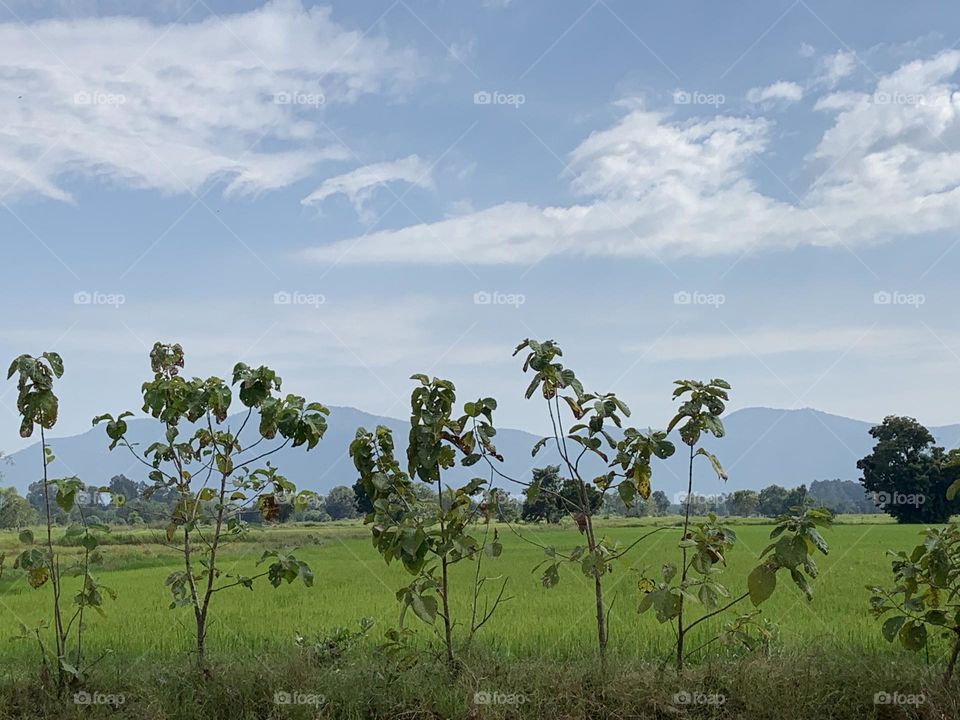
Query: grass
(550, 632)
(353, 582)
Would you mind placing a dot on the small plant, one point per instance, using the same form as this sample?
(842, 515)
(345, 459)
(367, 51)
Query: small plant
(705, 545)
(627, 459)
(797, 541)
(38, 406)
(700, 411)
(217, 474)
(925, 598)
(327, 648)
(428, 537)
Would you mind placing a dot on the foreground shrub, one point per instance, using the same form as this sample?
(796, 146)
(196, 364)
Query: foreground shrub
(217, 473)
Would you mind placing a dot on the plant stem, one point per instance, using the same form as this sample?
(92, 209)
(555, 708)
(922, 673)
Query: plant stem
(447, 625)
(681, 631)
(211, 572)
(54, 566)
(953, 657)
(597, 577)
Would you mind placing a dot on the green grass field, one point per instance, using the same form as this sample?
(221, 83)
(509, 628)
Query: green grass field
(828, 661)
(353, 582)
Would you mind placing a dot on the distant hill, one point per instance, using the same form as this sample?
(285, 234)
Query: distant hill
(763, 446)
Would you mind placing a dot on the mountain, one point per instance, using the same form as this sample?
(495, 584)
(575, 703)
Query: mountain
(763, 446)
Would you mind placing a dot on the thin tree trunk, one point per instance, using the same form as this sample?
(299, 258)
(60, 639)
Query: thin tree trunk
(54, 566)
(447, 626)
(597, 578)
(208, 591)
(198, 615)
(953, 658)
(445, 580)
(681, 631)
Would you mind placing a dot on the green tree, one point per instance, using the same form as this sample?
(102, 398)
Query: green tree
(122, 486)
(340, 503)
(550, 497)
(15, 511)
(361, 500)
(38, 406)
(541, 500)
(743, 502)
(661, 503)
(704, 546)
(923, 599)
(628, 465)
(908, 474)
(216, 477)
(773, 501)
(43, 501)
(429, 536)
(699, 413)
(796, 497)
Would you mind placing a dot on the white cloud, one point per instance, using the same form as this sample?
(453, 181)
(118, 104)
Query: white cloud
(360, 185)
(834, 68)
(892, 167)
(172, 107)
(656, 187)
(651, 187)
(781, 91)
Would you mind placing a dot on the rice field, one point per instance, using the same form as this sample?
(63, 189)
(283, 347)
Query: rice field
(352, 582)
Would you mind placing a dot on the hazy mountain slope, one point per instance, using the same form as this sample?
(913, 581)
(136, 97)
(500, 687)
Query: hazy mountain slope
(763, 446)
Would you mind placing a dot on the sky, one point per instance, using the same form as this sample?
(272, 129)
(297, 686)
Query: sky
(357, 191)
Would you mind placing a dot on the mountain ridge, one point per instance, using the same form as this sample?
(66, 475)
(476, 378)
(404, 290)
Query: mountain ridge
(763, 446)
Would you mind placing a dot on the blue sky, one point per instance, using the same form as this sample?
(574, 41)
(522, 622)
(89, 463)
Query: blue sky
(358, 191)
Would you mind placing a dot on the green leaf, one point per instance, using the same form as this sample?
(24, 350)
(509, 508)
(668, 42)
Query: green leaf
(627, 491)
(539, 446)
(913, 636)
(817, 539)
(66, 497)
(425, 608)
(801, 582)
(761, 583)
(953, 490)
(714, 463)
(26, 536)
(551, 576)
(56, 363)
(892, 626)
(791, 551)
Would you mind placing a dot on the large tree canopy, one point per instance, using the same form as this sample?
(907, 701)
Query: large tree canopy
(908, 474)
(550, 497)
(15, 511)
